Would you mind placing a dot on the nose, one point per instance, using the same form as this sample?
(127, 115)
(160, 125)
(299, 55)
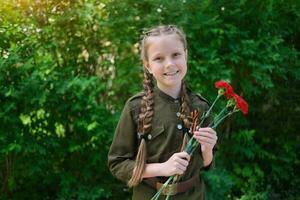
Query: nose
(169, 62)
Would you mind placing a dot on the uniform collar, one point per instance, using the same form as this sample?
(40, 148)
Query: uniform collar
(165, 96)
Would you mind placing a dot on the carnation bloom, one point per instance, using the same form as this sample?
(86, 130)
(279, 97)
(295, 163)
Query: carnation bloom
(241, 104)
(226, 88)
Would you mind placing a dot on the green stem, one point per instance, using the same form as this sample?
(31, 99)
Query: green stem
(173, 182)
(157, 195)
(217, 98)
(218, 116)
(196, 144)
(220, 120)
(188, 146)
(210, 108)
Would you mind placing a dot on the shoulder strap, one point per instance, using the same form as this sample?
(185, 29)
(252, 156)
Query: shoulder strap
(136, 96)
(202, 98)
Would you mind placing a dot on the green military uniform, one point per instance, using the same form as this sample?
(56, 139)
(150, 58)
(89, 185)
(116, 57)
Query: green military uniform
(164, 140)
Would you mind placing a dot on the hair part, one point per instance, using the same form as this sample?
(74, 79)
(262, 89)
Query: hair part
(160, 31)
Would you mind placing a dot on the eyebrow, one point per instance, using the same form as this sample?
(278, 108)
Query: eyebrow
(156, 55)
(172, 52)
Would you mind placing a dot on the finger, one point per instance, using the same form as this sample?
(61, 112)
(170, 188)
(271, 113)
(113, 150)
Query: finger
(182, 162)
(208, 130)
(177, 170)
(181, 167)
(206, 134)
(204, 130)
(184, 155)
(208, 140)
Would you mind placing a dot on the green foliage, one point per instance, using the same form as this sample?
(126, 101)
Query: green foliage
(67, 67)
(218, 181)
(55, 131)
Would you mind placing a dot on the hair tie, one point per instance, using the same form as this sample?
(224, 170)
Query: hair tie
(145, 136)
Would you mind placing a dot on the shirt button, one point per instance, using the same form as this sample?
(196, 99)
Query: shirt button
(149, 136)
(178, 114)
(179, 126)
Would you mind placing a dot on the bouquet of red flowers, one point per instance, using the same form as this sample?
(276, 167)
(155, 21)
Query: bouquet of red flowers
(234, 104)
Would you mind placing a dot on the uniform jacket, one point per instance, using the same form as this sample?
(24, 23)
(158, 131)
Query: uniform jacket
(165, 139)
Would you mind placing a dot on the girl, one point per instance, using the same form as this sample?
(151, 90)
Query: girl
(153, 128)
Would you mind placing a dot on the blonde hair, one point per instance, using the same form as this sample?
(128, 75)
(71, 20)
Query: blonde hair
(158, 31)
(147, 102)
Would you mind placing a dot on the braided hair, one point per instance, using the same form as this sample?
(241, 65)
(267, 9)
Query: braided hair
(147, 103)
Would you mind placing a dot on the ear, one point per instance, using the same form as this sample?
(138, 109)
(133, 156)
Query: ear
(146, 66)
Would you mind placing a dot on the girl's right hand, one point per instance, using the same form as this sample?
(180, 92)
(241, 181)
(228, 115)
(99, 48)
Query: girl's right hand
(177, 164)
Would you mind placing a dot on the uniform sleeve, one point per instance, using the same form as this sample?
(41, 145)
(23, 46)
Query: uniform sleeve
(122, 150)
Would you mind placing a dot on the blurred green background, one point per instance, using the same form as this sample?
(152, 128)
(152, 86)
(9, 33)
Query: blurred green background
(67, 67)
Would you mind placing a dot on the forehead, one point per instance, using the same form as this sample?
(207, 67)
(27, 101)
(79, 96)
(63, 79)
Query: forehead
(163, 43)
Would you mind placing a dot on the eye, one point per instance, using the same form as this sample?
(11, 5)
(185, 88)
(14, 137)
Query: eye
(157, 58)
(176, 54)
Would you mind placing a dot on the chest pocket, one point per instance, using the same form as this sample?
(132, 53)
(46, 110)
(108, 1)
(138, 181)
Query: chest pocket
(154, 133)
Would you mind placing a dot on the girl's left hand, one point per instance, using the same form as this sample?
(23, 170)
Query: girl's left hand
(207, 137)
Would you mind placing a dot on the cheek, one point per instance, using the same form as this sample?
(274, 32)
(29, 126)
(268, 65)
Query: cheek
(155, 69)
(182, 62)
(183, 66)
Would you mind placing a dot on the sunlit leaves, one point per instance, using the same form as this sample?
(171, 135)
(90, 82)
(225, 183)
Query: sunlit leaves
(67, 67)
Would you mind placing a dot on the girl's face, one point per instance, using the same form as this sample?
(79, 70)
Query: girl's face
(167, 61)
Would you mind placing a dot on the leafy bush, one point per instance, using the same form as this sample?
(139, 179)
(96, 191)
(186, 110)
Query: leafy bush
(67, 67)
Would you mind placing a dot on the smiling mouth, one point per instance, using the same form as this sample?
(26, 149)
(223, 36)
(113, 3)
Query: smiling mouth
(171, 73)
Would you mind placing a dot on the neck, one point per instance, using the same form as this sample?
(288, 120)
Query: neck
(173, 92)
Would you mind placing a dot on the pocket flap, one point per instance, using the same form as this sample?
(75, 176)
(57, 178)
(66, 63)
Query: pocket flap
(156, 132)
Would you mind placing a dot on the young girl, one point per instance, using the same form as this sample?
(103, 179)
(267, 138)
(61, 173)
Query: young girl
(154, 126)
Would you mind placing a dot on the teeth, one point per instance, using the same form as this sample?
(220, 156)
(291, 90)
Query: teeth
(171, 73)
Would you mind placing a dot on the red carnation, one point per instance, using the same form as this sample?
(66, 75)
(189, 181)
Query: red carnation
(241, 104)
(227, 88)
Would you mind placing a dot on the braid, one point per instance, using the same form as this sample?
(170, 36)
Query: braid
(184, 108)
(184, 112)
(144, 126)
(146, 113)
